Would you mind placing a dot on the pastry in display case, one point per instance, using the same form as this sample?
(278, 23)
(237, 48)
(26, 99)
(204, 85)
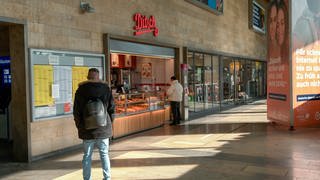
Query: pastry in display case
(134, 103)
(120, 101)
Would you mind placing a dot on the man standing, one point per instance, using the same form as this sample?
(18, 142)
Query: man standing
(175, 97)
(94, 88)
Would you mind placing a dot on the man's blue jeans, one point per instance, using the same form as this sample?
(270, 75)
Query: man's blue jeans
(103, 146)
(175, 109)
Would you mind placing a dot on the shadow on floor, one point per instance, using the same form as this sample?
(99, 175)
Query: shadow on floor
(5, 151)
(198, 151)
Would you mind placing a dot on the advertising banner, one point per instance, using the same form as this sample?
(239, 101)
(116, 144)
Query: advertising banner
(278, 76)
(306, 62)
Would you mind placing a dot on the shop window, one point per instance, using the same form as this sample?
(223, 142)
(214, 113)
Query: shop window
(203, 82)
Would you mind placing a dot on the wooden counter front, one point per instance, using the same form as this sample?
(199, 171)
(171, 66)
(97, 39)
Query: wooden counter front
(126, 125)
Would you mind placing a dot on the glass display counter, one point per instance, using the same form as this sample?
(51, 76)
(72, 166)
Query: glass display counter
(137, 112)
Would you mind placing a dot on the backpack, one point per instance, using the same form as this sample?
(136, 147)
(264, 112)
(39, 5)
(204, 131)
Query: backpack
(94, 114)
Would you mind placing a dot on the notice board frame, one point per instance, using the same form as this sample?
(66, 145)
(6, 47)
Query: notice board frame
(55, 59)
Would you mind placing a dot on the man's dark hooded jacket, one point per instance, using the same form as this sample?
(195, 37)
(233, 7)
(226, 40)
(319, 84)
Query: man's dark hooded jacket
(87, 90)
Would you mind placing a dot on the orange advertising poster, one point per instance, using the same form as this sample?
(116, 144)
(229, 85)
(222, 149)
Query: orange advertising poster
(278, 80)
(306, 62)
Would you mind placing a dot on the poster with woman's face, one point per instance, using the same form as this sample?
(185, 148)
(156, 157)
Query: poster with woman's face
(146, 71)
(114, 60)
(127, 61)
(278, 83)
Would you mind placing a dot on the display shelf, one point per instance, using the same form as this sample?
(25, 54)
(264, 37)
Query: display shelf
(135, 103)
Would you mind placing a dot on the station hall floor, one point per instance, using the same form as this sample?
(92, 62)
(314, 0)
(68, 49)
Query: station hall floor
(237, 144)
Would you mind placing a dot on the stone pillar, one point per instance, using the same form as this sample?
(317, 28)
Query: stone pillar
(20, 93)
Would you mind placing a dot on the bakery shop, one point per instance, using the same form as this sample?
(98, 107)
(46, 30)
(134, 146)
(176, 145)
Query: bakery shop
(139, 74)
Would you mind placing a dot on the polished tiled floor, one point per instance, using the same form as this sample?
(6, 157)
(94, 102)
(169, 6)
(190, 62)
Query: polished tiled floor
(238, 144)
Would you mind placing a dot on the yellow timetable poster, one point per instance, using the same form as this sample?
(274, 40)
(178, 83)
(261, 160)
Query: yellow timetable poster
(43, 79)
(79, 74)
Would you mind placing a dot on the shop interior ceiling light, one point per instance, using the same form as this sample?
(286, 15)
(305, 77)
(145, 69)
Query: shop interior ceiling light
(86, 7)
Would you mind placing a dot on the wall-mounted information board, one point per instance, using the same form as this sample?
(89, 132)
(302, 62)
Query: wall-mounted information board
(55, 76)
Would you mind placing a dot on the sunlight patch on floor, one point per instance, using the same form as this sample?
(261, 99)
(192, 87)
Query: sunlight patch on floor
(152, 172)
(150, 154)
(199, 145)
(234, 120)
(140, 172)
(200, 140)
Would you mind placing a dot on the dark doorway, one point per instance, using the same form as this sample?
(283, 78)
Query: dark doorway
(5, 93)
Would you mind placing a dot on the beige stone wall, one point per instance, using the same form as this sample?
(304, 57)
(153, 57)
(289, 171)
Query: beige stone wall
(58, 24)
(52, 135)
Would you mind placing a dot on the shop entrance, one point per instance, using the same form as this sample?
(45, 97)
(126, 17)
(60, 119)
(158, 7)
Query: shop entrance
(5, 92)
(217, 83)
(11, 48)
(243, 81)
(139, 77)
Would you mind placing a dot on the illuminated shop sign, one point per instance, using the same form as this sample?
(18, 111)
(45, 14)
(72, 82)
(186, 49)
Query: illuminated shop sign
(145, 25)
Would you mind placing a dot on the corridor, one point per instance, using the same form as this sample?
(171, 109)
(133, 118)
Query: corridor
(237, 144)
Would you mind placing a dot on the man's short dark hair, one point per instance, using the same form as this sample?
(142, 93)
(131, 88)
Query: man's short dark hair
(93, 74)
(94, 70)
(173, 78)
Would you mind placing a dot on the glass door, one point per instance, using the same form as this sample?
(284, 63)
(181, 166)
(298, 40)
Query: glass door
(260, 78)
(208, 86)
(191, 89)
(215, 83)
(228, 82)
(240, 82)
(251, 83)
(199, 82)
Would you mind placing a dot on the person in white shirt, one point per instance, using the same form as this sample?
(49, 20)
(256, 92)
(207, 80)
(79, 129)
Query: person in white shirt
(174, 94)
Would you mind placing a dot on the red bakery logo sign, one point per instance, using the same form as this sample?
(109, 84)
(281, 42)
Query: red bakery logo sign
(145, 25)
